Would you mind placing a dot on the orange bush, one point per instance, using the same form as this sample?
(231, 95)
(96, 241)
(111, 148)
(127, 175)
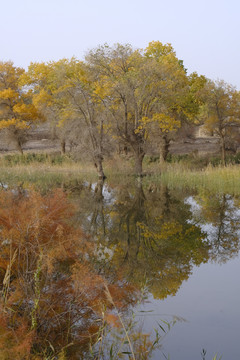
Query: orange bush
(52, 296)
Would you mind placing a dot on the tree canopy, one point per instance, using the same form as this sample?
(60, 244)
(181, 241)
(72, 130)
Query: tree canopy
(117, 98)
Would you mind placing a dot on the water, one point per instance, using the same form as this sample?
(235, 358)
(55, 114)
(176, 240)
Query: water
(178, 250)
(185, 245)
(209, 302)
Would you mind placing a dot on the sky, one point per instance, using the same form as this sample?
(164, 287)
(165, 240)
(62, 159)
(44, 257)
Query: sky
(205, 34)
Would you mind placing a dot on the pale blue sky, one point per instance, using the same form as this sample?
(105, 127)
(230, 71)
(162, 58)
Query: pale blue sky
(205, 34)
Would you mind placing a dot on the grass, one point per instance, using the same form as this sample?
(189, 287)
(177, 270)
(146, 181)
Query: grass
(31, 158)
(195, 161)
(45, 176)
(48, 170)
(215, 179)
(194, 172)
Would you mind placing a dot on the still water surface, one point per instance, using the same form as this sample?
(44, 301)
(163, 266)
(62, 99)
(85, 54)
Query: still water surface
(175, 249)
(183, 246)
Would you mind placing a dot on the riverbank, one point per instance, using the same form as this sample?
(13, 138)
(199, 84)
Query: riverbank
(44, 170)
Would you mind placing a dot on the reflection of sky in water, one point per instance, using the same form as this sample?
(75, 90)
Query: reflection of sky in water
(209, 302)
(232, 214)
(107, 193)
(196, 209)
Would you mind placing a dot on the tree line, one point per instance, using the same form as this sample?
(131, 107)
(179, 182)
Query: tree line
(118, 97)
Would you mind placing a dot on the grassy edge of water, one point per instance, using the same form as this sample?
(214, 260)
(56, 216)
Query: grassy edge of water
(216, 179)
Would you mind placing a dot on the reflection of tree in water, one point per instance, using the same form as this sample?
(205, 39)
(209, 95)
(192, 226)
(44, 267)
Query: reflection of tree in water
(146, 235)
(223, 219)
(57, 282)
(163, 245)
(153, 234)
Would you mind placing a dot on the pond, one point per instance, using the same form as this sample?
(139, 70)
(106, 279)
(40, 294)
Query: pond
(176, 253)
(185, 244)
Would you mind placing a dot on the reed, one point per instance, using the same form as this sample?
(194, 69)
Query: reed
(215, 179)
(48, 173)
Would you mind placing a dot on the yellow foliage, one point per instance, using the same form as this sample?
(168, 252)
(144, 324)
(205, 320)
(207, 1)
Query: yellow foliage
(17, 109)
(9, 94)
(157, 49)
(18, 124)
(139, 129)
(42, 98)
(165, 122)
(168, 230)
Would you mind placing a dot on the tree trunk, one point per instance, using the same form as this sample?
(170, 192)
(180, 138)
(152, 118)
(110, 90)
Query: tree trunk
(99, 189)
(134, 214)
(223, 151)
(139, 156)
(63, 147)
(53, 133)
(163, 149)
(19, 147)
(99, 166)
(119, 149)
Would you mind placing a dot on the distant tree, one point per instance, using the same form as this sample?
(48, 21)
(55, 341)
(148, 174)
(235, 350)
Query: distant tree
(121, 89)
(17, 111)
(223, 112)
(83, 106)
(164, 117)
(65, 92)
(178, 103)
(143, 93)
(42, 79)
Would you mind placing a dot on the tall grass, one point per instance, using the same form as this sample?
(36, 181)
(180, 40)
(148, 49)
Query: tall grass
(48, 170)
(45, 176)
(216, 179)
